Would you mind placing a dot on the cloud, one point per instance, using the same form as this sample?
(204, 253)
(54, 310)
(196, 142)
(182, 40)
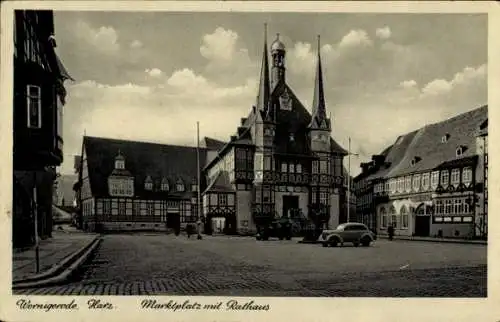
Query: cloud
(154, 72)
(466, 76)
(136, 44)
(355, 38)
(219, 45)
(227, 60)
(383, 33)
(103, 39)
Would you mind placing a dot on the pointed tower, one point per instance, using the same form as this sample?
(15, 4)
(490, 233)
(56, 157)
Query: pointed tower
(264, 126)
(278, 64)
(320, 126)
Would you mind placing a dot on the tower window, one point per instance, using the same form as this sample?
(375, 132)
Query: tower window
(445, 138)
(148, 183)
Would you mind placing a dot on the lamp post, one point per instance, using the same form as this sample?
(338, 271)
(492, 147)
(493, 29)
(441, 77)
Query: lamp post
(349, 178)
(198, 223)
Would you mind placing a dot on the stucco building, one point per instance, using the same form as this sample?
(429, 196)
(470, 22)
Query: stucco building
(430, 182)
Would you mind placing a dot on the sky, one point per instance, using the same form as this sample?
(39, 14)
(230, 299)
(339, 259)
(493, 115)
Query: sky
(151, 76)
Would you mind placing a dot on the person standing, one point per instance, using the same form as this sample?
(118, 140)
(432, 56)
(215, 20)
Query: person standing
(390, 231)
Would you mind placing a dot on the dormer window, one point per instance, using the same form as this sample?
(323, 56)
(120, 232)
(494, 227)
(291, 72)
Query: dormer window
(148, 183)
(180, 186)
(460, 150)
(445, 138)
(292, 137)
(415, 160)
(164, 185)
(119, 161)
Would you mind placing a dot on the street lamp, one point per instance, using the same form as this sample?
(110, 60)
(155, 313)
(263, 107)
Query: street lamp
(349, 178)
(198, 223)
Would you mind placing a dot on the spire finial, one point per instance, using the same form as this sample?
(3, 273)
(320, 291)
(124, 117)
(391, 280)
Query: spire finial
(265, 32)
(319, 46)
(277, 36)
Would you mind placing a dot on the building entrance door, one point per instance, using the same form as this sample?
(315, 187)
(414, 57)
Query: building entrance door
(422, 225)
(289, 202)
(174, 221)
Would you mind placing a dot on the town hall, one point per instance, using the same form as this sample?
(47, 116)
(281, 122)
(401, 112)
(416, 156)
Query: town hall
(281, 160)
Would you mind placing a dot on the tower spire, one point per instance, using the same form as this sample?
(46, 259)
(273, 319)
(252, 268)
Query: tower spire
(319, 118)
(264, 88)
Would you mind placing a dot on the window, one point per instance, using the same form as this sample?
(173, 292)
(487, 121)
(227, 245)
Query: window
(434, 179)
(148, 183)
(459, 151)
(34, 105)
(180, 186)
(267, 163)
(121, 208)
(404, 218)
(383, 215)
(408, 183)
(416, 182)
(298, 168)
(448, 206)
(467, 175)
(137, 208)
(394, 217)
(458, 206)
(107, 207)
(164, 185)
(387, 186)
(230, 200)
(292, 168)
(284, 167)
(392, 184)
(445, 138)
(445, 178)
(323, 198)
(439, 207)
(455, 177)
(323, 167)
(315, 166)
(150, 209)
(222, 199)
(425, 181)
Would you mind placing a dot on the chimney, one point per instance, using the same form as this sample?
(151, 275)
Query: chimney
(233, 137)
(243, 120)
(364, 167)
(241, 129)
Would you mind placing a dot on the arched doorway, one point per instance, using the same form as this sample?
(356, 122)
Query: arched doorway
(423, 220)
(393, 217)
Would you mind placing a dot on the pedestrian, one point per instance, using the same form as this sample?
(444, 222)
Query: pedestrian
(390, 231)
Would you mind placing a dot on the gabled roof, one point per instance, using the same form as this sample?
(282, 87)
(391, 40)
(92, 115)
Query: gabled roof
(426, 145)
(213, 144)
(461, 131)
(221, 183)
(159, 161)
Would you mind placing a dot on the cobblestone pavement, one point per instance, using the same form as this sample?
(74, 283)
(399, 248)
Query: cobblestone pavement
(239, 266)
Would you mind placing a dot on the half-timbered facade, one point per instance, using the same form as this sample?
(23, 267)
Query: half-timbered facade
(127, 185)
(39, 97)
(282, 158)
(426, 183)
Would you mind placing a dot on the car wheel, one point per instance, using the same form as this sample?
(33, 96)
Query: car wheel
(334, 242)
(356, 244)
(366, 242)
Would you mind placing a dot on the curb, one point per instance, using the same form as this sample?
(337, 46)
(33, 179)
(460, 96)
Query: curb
(62, 271)
(444, 240)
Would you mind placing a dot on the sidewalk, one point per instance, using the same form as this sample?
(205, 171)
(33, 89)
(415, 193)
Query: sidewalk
(52, 252)
(437, 240)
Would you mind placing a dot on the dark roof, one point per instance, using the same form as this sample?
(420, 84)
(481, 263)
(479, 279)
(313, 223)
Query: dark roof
(142, 159)
(426, 145)
(213, 144)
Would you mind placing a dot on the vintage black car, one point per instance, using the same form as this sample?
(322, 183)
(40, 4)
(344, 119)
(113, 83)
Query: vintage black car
(280, 228)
